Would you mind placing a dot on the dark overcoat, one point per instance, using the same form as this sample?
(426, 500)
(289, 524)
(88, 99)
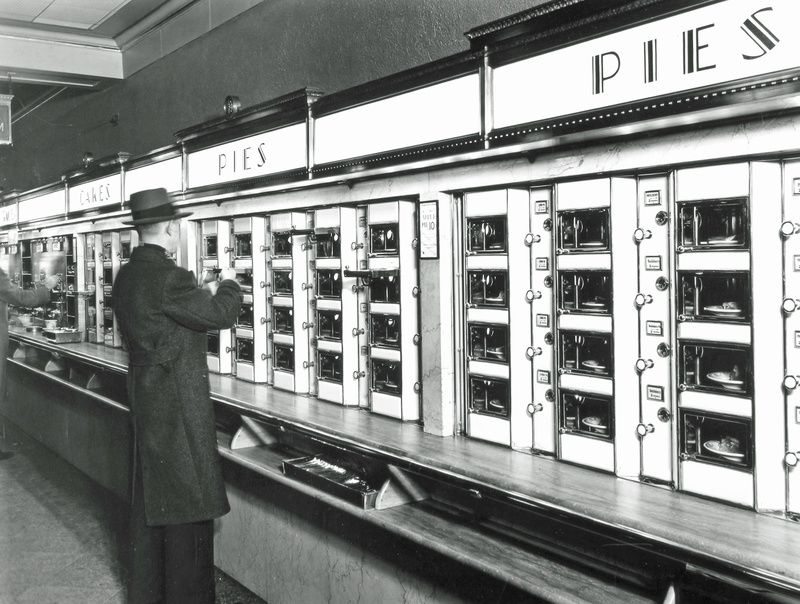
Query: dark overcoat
(163, 317)
(12, 294)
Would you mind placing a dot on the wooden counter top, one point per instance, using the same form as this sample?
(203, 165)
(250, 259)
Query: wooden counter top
(720, 537)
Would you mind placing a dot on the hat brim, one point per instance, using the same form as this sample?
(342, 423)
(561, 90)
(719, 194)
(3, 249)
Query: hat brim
(157, 219)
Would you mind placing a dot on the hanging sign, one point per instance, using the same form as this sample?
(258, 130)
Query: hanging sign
(96, 194)
(270, 152)
(8, 214)
(709, 46)
(5, 119)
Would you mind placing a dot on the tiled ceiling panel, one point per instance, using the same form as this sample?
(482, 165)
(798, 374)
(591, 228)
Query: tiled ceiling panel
(80, 14)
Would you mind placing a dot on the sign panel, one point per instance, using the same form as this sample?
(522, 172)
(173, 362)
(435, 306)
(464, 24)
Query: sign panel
(165, 174)
(439, 112)
(5, 119)
(44, 206)
(708, 46)
(266, 153)
(8, 214)
(428, 229)
(96, 194)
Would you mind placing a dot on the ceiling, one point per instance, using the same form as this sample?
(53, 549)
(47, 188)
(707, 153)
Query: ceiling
(52, 47)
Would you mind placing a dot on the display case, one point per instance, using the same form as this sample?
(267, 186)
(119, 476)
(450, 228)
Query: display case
(212, 253)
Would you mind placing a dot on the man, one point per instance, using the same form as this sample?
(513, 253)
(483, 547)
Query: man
(12, 294)
(177, 481)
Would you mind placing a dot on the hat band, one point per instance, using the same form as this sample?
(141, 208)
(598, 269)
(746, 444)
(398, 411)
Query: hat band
(160, 211)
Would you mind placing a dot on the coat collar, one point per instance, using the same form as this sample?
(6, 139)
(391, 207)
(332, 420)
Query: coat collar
(148, 252)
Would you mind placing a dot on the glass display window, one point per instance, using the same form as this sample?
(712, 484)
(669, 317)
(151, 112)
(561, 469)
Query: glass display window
(282, 244)
(586, 353)
(713, 225)
(488, 288)
(245, 279)
(584, 230)
(715, 439)
(585, 291)
(210, 246)
(487, 235)
(489, 396)
(587, 414)
(384, 288)
(386, 376)
(488, 342)
(282, 282)
(329, 324)
(328, 245)
(245, 318)
(283, 357)
(383, 239)
(245, 352)
(329, 284)
(243, 245)
(329, 366)
(385, 330)
(212, 338)
(719, 296)
(723, 369)
(282, 319)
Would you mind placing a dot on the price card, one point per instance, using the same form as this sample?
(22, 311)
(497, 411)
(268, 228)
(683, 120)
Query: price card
(429, 229)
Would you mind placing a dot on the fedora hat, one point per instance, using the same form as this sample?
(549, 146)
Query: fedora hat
(152, 205)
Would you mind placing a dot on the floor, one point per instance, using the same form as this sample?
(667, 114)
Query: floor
(61, 535)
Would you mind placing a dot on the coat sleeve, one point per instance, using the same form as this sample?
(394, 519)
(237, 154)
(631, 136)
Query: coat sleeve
(195, 307)
(13, 294)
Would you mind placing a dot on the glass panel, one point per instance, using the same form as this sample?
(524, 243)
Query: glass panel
(282, 319)
(384, 288)
(586, 414)
(386, 376)
(718, 296)
(330, 366)
(588, 291)
(385, 330)
(487, 235)
(383, 238)
(586, 353)
(329, 285)
(716, 369)
(210, 246)
(584, 230)
(282, 282)
(284, 357)
(243, 245)
(488, 342)
(281, 244)
(245, 318)
(328, 245)
(245, 279)
(714, 224)
(329, 324)
(489, 396)
(244, 350)
(716, 440)
(488, 288)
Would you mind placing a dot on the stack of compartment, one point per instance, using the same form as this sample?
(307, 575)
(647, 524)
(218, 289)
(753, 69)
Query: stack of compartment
(289, 301)
(336, 325)
(715, 371)
(90, 249)
(214, 242)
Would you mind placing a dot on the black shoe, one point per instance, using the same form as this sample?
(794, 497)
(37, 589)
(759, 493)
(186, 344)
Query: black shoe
(6, 455)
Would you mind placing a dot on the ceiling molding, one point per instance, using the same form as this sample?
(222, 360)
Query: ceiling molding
(163, 13)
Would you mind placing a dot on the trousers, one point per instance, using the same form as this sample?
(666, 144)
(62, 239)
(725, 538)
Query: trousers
(170, 564)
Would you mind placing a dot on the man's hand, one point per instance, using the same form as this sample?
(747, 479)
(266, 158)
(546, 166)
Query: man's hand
(227, 273)
(51, 281)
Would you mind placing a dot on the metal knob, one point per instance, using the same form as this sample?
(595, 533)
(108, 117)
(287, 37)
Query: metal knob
(789, 305)
(530, 239)
(417, 387)
(664, 415)
(662, 283)
(359, 374)
(642, 299)
(356, 246)
(307, 325)
(307, 364)
(791, 458)
(664, 350)
(643, 430)
(227, 249)
(790, 382)
(417, 338)
(640, 235)
(264, 320)
(228, 349)
(547, 225)
(642, 364)
(415, 291)
(533, 352)
(265, 356)
(262, 284)
(306, 286)
(264, 248)
(534, 408)
(414, 243)
(548, 338)
(357, 331)
(550, 395)
(531, 295)
(662, 218)
(357, 288)
(788, 228)
(548, 281)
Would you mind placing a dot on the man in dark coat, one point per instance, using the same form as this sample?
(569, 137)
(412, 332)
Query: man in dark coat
(12, 294)
(178, 488)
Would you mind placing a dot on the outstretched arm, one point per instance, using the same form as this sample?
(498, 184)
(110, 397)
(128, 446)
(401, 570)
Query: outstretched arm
(195, 307)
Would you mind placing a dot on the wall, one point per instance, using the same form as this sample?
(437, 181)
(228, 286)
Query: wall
(275, 47)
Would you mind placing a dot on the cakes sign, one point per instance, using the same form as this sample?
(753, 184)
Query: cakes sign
(95, 194)
(721, 43)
